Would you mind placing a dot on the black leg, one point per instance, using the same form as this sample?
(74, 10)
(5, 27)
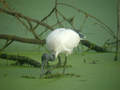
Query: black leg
(48, 65)
(64, 64)
(48, 71)
(59, 61)
(43, 68)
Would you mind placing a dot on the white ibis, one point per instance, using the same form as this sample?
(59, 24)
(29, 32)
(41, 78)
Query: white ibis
(60, 40)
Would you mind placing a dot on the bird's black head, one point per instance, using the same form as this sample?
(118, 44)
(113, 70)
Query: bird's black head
(48, 57)
(45, 59)
(81, 35)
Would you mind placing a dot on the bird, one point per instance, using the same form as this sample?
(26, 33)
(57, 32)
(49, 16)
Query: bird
(60, 40)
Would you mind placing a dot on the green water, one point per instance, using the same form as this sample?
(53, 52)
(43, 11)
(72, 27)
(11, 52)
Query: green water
(104, 75)
(97, 71)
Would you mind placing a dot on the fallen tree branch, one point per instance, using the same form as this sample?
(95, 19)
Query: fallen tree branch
(36, 41)
(20, 59)
(21, 39)
(93, 46)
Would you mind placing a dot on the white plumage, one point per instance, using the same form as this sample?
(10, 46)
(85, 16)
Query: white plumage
(62, 40)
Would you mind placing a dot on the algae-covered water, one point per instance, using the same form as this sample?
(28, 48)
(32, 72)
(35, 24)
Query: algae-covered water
(102, 75)
(85, 70)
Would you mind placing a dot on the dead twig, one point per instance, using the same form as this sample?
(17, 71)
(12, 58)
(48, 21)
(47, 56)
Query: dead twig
(89, 15)
(25, 17)
(8, 42)
(118, 30)
(21, 39)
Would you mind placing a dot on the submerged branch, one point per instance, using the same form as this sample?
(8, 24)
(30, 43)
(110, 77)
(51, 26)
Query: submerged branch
(93, 46)
(20, 59)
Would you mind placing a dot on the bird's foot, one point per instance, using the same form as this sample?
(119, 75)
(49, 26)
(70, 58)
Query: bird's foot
(47, 72)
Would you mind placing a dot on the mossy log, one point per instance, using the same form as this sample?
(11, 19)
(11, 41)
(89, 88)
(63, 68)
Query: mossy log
(93, 46)
(20, 59)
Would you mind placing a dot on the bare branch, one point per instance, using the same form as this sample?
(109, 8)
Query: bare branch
(21, 39)
(85, 19)
(5, 4)
(66, 19)
(22, 22)
(25, 17)
(118, 30)
(44, 18)
(36, 41)
(8, 42)
(89, 15)
(35, 35)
